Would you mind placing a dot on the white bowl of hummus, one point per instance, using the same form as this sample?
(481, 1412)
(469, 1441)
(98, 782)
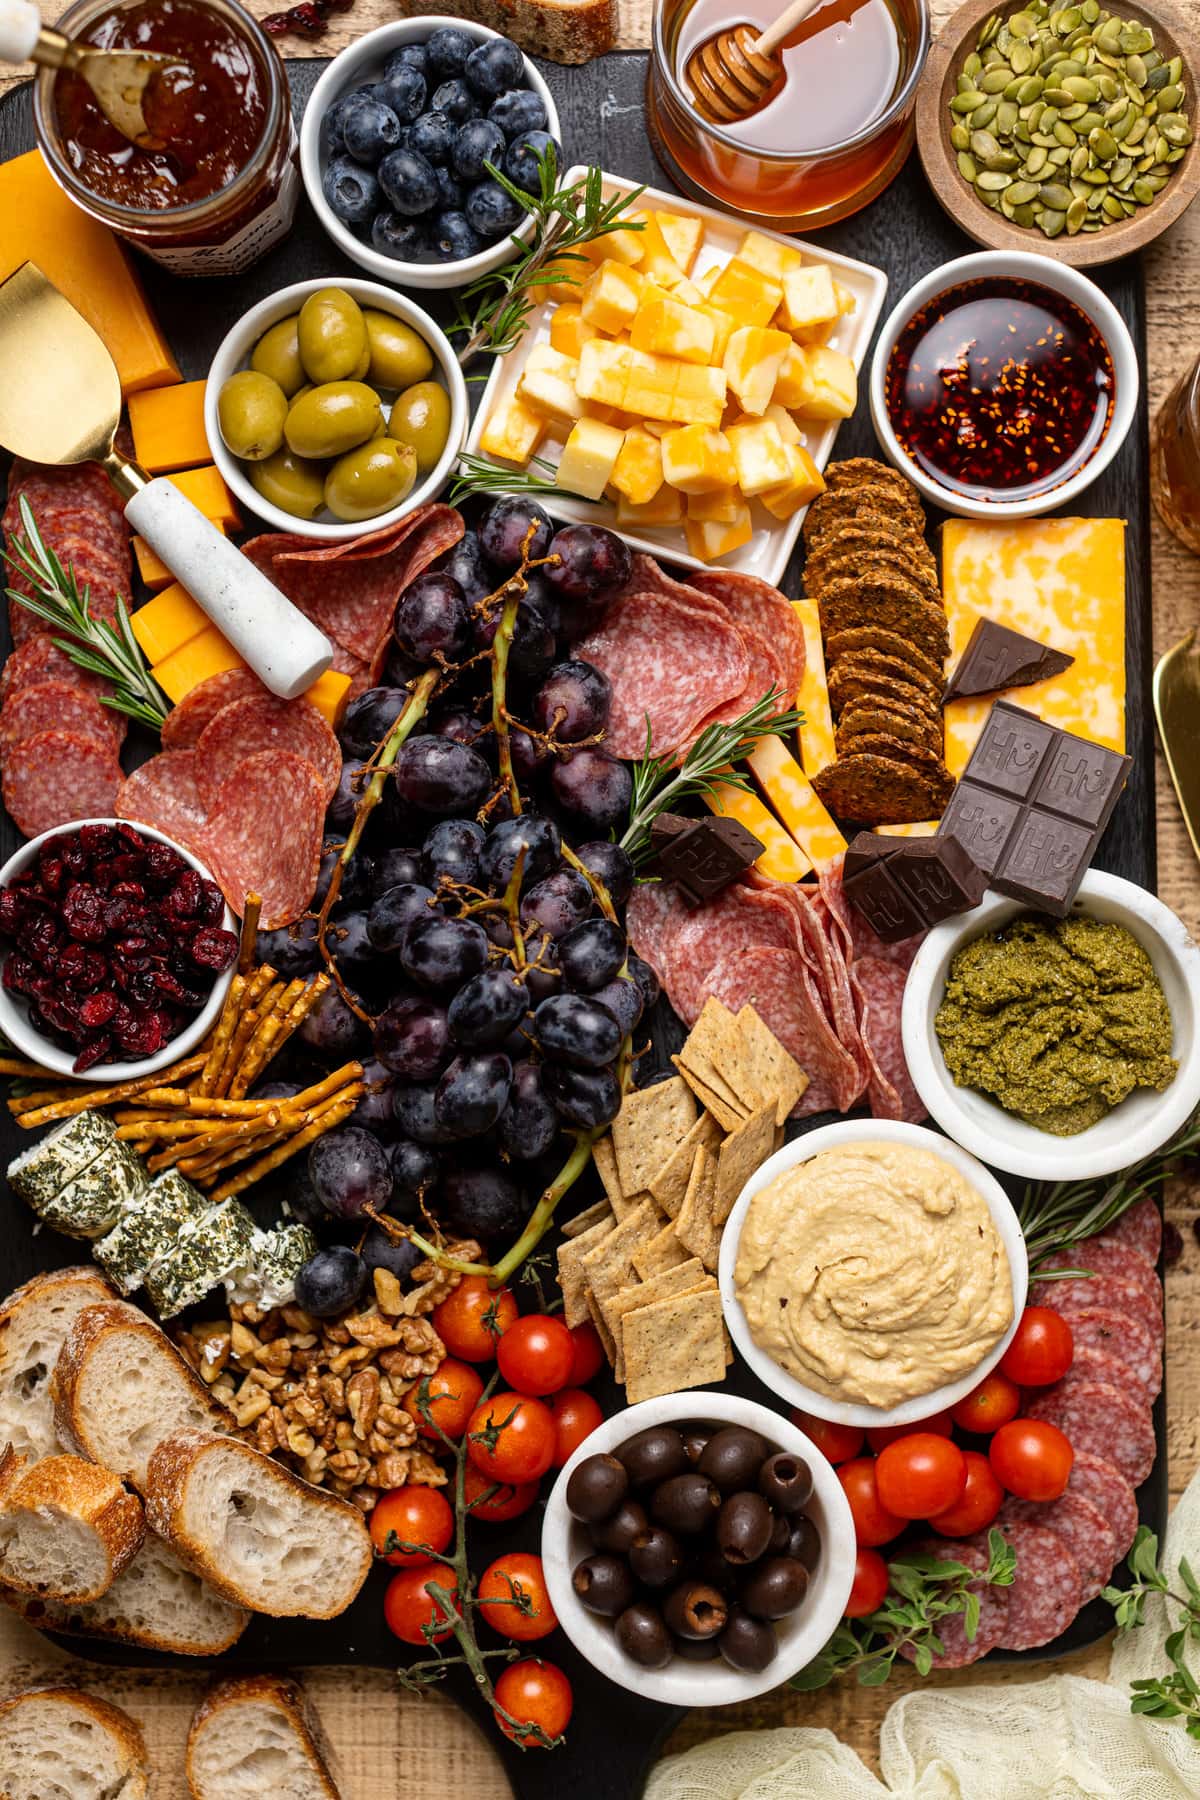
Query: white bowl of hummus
(872, 1273)
(1130, 1129)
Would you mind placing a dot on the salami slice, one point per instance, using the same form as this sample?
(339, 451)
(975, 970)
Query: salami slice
(959, 1651)
(822, 950)
(1106, 1420)
(1091, 1364)
(1108, 1258)
(40, 659)
(163, 793)
(57, 776)
(81, 519)
(1083, 1292)
(654, 914)
(1047, 1589)
(879, 986)
(778, 985)
(753, 603)
(1127, 1340)
(765, 674)
(56, 706)
(264, 722)
(246, 845)
(1094, 1478)
(185, 722)
(1139, 1229)
(727, 925)
(1081, 1526)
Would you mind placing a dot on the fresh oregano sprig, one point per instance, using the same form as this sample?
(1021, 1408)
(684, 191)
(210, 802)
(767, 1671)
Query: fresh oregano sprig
(1175, 1695)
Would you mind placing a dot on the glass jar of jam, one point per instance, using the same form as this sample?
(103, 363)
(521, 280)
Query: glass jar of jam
(223, 187)
(1175, 459)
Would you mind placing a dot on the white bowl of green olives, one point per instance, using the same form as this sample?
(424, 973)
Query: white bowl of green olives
(335, 408)
(709, 1632)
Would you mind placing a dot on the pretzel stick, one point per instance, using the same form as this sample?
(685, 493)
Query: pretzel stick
(12, 1065)
(266, 1002)
(222, 1155)
(258, 1051)
(230, 1013)
(98, 1097)
(250, 918)
(275, 1158)
(225, 1135)
(251, 992)
(203, 1106)
(322, 1090)
(300, 1011)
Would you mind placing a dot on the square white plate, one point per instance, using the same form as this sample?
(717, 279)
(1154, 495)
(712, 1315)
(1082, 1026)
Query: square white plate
(766, 554)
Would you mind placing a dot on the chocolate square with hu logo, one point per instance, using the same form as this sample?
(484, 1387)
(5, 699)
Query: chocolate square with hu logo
(1082, 780)
(981, 821)
(1045, 861)
(1012, 751)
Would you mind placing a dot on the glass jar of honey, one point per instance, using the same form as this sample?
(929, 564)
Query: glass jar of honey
(1175, 459)
(219, 188)
(834, 130)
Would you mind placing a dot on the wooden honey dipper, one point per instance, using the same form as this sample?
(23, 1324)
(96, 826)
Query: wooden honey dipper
(732, 74)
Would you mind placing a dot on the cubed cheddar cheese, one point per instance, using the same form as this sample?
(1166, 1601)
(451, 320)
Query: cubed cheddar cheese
(752, 361)
(656, 260)
(168, 621)
(513, 431)
(611, 296)
(168, 427)
(760, 456)
(708, 539)
(723, 506)
(782, 858)
(680, 287)
(589, 458)
(790, 793)
(638, 472)
(769, 256)
(723, 324)
(666, 508)
(206, 490)
(666, 327)
(151, 567)
(751, 297)
(697, 460)
(656, 387)
(832, 391)
(808, 299)
(548, 383)
(846, 302)
(569, 330)
(789, 431)
(803, 484)
(792, 385)
(816, 727)
(626, 246)
(209, 653)
(1060, 582)
(328, 694)
(682, 235)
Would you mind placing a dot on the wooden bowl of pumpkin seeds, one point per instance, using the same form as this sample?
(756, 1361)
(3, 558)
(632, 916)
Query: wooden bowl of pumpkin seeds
(1062, 129)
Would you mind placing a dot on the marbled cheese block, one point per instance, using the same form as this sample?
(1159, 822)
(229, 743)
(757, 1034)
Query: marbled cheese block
(782, 858)
(786, 786)
(815, 730)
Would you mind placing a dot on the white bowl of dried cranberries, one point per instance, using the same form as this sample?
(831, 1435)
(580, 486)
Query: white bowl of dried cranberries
(117, 950)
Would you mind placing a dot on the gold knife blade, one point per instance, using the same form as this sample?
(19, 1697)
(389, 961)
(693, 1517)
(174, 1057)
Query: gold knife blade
(1176, 691)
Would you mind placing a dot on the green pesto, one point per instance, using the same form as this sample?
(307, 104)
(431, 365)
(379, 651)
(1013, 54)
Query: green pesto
(1058, 1020)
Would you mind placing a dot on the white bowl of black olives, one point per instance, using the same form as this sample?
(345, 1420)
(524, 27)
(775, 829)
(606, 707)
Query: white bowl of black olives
(394, 143)
(698, 1549)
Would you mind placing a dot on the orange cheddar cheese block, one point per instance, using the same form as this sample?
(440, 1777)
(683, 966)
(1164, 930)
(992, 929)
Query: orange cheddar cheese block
(86, 263)
(922, 828)
(816, 727)
(167, 622)
(782, 858)
(184, 647)
(182, 669)
(168, 427)
(787, 787)
(328, 694)
(151, 567)
(1060, 582)
(206, 489)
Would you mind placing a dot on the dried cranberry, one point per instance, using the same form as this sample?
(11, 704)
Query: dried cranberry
(119, 868)
(95, 1050)
(83, 913)
(147, 1033)
(213, 949)
(11, 910)
(124, 912)
(19, 973)
(212, 903)
(75, 858)
(40, 938)
(97, 1010)
(97, 840)
(163, 863)
(170, 986)
(184, 897)
(51, 872)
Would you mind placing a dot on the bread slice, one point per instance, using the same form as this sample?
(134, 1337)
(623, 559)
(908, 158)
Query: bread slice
(34, 1320)
(261, 1536)
(62, 1744)
(120, 1386)
(565, 31)
(155, 1603)
(67, 1527)
(255, 1738)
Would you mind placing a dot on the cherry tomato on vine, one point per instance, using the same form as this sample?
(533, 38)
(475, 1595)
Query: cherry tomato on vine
(453, 1394)
(576, 1416)
(1042, 1349)
(511, 1438)
(1032, 1459)
(920, 1474)
(535, 1354)
(993, 1403)
(412, 1515)
(940, 1424)
(471, 1320)
(514, 1598)
(589, 1356)
(836, 1442)
(408, 1608)
(538, 1694)
(507, 1502)
(873, 1523)
(977, 1505)
(869, 1586)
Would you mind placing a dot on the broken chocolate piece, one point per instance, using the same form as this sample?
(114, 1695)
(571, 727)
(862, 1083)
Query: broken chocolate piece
(882, 902)
(911, 883)
(666, 826)
(706, 857)
(998, 657)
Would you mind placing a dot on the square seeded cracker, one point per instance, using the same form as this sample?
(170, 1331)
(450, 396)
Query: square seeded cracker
(571, 1277)
(696, 1227)
(651, 1123)
(673, 1344)
(664, 1251)
(728, 1117)
(605, 1159)
(670, 1184)
(599, 1214)
(740, 1155)
(760, 1069)
(680, 1280)
(608, 1266)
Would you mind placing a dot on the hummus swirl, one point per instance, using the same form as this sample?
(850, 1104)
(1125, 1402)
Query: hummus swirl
(873, 1274)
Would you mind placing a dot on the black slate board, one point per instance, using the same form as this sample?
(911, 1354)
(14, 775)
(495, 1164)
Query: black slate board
(614, 1734)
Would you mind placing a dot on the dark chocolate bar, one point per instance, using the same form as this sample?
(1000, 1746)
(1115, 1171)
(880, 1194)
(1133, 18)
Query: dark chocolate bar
(998, 657)
(911, 883)
(705, 857)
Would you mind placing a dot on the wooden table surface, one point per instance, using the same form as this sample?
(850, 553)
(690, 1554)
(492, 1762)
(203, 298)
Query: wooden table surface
(391, 1746)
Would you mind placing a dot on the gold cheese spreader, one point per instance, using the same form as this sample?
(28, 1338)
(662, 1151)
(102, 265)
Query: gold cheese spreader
(121, 80)
(1176, 691)
(60, 402)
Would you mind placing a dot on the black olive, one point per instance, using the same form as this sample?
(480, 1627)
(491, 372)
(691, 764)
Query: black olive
(694, 1610)
(710, 1566)
(655, 1557)
(687, 1503)
(786, 1482)
(744, 1527)
(604, 1585)
(804, 1542)
(697, 1649)
(596, 1488)
(781, 1535)
(694, 1439)
(774, 1588)
(618, 1532)
(654, 1455)
(643, 1636)
(746, 1643)
(732, 1458)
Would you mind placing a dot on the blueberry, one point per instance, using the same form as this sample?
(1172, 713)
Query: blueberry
(431, 137)
(370, 131)
(409, 56)
(331, 124)
(453, 238)
(408, 181)
(520, 109)
(478, 142)
(351, 190)
(495, 65)
(401, 238)
(521, 162)
(446, 52)
(404, 91)
(451, 193)
(456, 100)
(491, 212)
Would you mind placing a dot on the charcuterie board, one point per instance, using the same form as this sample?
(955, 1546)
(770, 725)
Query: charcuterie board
(614, 1736)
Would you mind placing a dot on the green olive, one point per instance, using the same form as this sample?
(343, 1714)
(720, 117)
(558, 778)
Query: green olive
(291, 483)
(333, 335)
(359, 372)
(421, 417)
(399, 355)
(277, 354)
(370, 479)
(332, 418)
(251, 409)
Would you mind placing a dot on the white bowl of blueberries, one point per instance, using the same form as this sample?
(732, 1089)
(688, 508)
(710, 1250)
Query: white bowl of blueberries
(396, 138)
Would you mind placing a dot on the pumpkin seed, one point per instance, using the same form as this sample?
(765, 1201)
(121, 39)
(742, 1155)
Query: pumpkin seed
(994, 81)
(960, 137)
(1052, 223)
(1035, 112)
(1057, 96)
(1023, 215)
(1169, 99)
(971, 67)
(1112, 206)
(1030, 90)
(966, 103)
(983, 115)
(1079, 159)
(1095, 177)
(1035, 160)
(1136, 71)
(1065, 135)
(993, 181)
(1102, 144)
(1055, 196)
(1060, 156)
(1021, 59)
(1076, 214)
(968, 168)
(1022, 191)
(1175, 129)
(1022, 25)
(1045, 138)
(1071, 115)
(1090, 10)
(1108, 88)
(1006, 118)
(983, 145)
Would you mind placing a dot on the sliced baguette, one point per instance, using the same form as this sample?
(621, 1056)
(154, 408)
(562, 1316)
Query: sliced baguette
(155, 1603)
(254, 1738)
(34, 1320)
(61, 1744)
(256, 1532)
(67, 1527)
(120, 1386)
(565, 31)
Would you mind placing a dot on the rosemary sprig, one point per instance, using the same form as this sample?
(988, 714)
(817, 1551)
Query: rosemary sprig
(110, 651)
(476, 475)
(494, 310)
(1175, 1695)
(659, 783)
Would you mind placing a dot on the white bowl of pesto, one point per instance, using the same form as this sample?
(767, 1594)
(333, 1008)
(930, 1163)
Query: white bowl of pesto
(1136, 1125)
(872, 1273)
